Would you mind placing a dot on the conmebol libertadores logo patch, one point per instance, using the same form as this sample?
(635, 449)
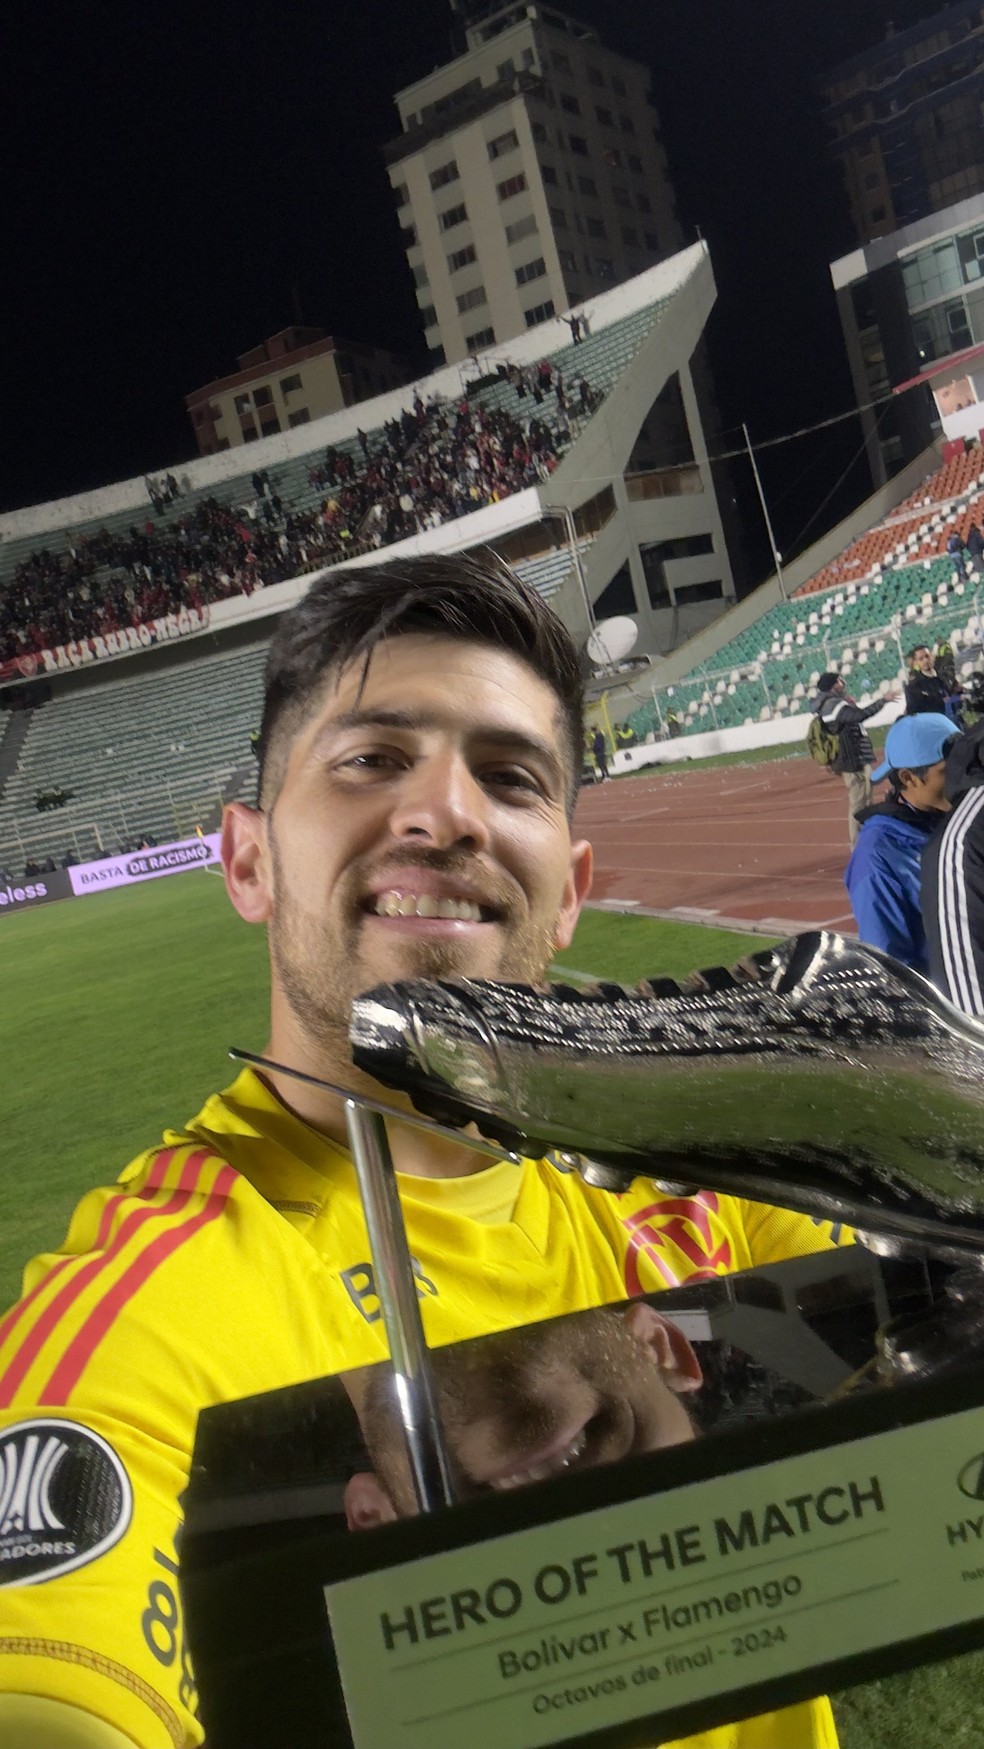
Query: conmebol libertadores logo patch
(65, 1499)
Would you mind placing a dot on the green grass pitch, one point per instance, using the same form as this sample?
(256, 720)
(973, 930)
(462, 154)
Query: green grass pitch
(116, 1012)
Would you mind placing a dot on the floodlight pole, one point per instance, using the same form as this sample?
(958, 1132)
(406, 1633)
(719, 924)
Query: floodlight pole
(776, 557)
(567, 518)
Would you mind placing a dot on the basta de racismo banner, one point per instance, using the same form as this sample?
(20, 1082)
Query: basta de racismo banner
(145, 865)
(202, 851)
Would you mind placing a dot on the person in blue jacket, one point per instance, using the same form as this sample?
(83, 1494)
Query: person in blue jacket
(883, 874)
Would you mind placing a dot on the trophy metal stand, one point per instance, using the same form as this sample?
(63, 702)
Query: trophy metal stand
(365, 1121)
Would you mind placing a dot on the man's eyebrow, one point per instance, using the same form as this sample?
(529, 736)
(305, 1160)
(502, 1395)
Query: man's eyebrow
(488, 734)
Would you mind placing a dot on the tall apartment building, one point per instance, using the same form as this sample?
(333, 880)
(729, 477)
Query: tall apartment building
(529, 176)
(907, 121)
(295, 376)
(912, 310)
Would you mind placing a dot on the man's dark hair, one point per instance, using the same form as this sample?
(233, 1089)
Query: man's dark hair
(913, 653)
(895, 777)
(471, 596)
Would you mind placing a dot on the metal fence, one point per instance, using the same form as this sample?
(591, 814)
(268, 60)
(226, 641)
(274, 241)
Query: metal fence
(723, 697)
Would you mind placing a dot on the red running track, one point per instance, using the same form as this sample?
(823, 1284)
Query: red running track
(757, 846)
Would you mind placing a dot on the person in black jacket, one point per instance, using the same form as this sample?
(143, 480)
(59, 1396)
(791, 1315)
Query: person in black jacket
(952, 892)
(841, 715)
(924, 690)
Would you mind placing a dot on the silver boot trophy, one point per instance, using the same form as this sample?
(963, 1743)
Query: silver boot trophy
(819, 1075)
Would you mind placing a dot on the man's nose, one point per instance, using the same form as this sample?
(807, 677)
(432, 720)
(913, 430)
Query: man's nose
(441, 803)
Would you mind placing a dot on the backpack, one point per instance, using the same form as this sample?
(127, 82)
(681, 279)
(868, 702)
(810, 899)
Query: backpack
(822, 744)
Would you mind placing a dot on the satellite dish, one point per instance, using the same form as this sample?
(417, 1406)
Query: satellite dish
(612, 639)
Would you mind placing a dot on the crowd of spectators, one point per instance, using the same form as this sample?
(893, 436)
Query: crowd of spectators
(436, 462)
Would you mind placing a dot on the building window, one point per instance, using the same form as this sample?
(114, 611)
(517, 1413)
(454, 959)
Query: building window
(484, 337)
(262, 397)
(558, 218)
(872, 180)
(877, 214)
(587, 185)
(569, 103)
(644, 203)
(288, 385)
(539, 313)
(618, 86)
(472, 300)
(522, 228)
(428, 315)
(504, 143)
(651, 241)
(595, 76)
(270, 425)
(568, 260)
(244, 405)
(595, 228)
(539, 132)
(605, 117)
(505, 69)
(408, 236)
(634, 162)
(401, 194)
(613, 157)
(455, 215)
(301, 417)
(528, 57)
(549, 175)
(444, 174)
(531, 270)
(436, 356)
(604, 269)
(630, 236)
(512, 185)
(462, 258)
(562, 63)
(578, 145)
(419, 275)
(626, 123)
(620, 195)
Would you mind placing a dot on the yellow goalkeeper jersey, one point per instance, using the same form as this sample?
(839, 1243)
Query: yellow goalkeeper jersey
(234, 1259)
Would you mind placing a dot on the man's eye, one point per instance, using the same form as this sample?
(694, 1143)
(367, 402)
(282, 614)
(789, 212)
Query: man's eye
(511, 777)
(370, 762)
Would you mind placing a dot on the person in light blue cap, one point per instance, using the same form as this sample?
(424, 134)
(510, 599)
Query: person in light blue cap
(883, 874)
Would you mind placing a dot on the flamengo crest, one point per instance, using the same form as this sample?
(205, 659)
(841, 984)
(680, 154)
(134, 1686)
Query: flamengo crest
(65, 1499)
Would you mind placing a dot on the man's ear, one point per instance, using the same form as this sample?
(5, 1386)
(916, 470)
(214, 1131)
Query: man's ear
(576, 890)
(246, 862)
(367, 1505)
(678, 1364)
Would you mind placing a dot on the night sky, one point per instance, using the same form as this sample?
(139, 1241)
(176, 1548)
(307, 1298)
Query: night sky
(183, 179)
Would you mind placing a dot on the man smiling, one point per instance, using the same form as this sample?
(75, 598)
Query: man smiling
(419, 759)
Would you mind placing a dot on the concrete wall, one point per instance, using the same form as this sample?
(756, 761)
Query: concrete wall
(778, 732)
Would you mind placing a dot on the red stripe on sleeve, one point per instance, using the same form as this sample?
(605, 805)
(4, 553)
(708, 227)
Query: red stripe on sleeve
(155, 1178)
(55, 1310)
(85, 1342)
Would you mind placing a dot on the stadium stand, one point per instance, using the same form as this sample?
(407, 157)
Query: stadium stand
(140, 756)
(148, 749)
(918, 529)
(862, 625)
(442, 460)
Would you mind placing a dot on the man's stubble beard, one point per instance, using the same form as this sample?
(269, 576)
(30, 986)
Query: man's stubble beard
(320, 971)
